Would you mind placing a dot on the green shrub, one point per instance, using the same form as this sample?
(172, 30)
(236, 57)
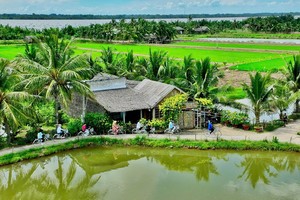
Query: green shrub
(158, 124)
(294, 116)
(127, 127)
(31, 135)
(99, 121)
(2, 142)
(74, 126)
(273, 125)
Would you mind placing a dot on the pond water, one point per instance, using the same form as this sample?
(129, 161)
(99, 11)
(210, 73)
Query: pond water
(142, 173)
(265, 116)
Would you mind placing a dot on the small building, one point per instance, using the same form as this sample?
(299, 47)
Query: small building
(123, 99)
(202, 29)
(179, 29)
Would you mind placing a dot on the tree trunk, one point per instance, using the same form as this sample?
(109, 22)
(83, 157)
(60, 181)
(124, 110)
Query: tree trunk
(297, 108)
(56, 109)
(257, 115)
(7, 131)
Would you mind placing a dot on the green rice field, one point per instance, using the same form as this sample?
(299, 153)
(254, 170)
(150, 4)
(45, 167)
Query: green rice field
(250, 46)
(216, 55)
(11, 51)
(240, 56)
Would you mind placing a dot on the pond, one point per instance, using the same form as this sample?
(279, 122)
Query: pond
(142, 173)
(264, 117)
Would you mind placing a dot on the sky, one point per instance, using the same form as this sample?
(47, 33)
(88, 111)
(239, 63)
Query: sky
(113, 7)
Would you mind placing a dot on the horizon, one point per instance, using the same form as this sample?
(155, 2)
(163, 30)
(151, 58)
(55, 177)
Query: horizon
(147, 7)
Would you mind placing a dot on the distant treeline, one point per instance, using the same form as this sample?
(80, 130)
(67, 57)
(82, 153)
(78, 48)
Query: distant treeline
(157, 16)
(150, 31)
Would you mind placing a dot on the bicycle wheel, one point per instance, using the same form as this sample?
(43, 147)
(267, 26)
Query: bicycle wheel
(66, 135)
(35, 141)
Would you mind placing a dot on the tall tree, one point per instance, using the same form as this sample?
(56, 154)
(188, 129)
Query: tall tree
(205, 76)
(282, 97)
(56, 73)
(15, 107)
(293, 77)
(258, 92)
(157, 59)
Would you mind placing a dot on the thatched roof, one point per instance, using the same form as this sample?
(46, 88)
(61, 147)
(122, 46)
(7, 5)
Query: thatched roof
(132, 83)
(121, 100)
(154, 91)
(133, 95)
(178, 28)
(202, 29)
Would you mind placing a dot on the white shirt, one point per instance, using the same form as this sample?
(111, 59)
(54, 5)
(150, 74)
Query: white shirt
(40, 135)
(139, 125)
(59, 130)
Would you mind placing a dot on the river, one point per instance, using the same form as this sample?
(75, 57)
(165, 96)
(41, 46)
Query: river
(108, 173)
(41, 24)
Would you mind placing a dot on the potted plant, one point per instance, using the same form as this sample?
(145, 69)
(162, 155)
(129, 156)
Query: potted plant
(237, 119)
(258, 128)
(225, 119)
(246, 125)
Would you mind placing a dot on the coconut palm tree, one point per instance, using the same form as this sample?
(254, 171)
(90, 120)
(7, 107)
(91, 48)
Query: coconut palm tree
(14, 104)
(293, 78)
(110, 59)
(168, 71)
(282, 97)
(56, 73)
(205, 76)
(157, 59)
(258, 92)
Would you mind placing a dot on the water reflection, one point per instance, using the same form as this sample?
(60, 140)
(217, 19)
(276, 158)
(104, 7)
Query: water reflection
(135, 173)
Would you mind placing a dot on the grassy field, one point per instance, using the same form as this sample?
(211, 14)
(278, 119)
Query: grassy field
(216, 55)
(11, 51)
(272, 65)
(241, 34)
(250, 46)
(246, 57)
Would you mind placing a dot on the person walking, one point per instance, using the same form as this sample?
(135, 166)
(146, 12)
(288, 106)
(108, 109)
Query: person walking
(210, 127)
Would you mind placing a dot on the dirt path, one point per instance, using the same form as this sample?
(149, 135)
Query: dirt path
(284, 134)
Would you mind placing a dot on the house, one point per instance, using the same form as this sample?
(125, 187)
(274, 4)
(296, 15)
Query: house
(201, 29)
(179, 29)
(123, 99)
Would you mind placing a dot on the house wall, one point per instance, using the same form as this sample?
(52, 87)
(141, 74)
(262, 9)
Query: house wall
(76, 108)
(187, 119)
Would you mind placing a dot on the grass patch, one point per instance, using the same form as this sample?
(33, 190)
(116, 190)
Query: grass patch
(272, 65)
(241, 34)
(232, 93)
(250, 46)
(11, 51)
(144, 141)
(216, 55)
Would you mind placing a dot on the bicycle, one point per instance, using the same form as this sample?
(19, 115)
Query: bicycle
(217, 131)
(88, 132)
(65, 134)
(175, 130)
(144, 130)
(111, 132)
(39, 141)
